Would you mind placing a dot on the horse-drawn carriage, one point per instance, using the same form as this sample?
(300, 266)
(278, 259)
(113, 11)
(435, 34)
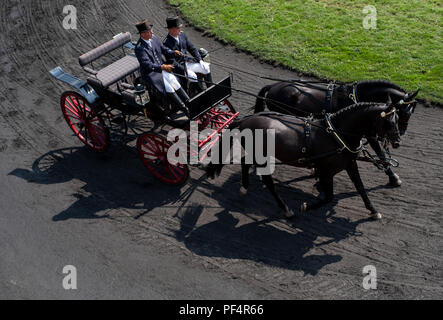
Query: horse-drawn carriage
(113, 91)
(116, 86)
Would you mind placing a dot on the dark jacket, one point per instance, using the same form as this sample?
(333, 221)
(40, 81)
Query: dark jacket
(150, 60)
(184, 46)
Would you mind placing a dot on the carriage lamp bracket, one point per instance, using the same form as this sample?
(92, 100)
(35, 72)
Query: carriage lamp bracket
(141, 96)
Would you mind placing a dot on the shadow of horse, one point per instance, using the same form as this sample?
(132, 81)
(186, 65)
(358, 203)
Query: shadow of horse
(293, 245)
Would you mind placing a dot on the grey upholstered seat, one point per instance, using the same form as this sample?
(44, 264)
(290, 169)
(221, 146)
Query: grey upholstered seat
(117, 70)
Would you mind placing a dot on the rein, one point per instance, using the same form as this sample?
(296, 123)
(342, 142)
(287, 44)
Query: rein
(330, 128)
(281, 105)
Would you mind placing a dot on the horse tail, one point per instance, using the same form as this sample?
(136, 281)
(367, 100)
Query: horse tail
(260, 102)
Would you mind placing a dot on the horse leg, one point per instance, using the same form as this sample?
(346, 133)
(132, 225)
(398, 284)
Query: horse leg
(354, 174)
(244, 178)
(394, 179)
(267, 180)
(327, 187)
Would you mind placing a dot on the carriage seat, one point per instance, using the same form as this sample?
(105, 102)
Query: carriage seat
(115, 71)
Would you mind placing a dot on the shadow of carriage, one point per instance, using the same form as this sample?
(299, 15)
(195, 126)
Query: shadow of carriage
(111, 181)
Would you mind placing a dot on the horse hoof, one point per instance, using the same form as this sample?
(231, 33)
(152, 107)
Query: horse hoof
(289, 214)
(395, 181)
(304, 207)
(243, 191)
(376, 216)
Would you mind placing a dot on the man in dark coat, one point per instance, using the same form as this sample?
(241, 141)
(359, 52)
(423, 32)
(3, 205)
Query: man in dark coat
(177, 40)
(154, 71)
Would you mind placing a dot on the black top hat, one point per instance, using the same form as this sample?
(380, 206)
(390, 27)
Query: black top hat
(143, 26)
(173, 22)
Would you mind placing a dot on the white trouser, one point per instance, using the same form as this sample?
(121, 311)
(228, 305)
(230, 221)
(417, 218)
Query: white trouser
(171, 82)
(194, 68)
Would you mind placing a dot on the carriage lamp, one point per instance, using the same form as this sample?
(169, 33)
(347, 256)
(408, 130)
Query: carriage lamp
(205, 55)
(141, 96)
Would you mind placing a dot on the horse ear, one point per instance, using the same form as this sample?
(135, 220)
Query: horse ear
(389, 101)
(412, 95)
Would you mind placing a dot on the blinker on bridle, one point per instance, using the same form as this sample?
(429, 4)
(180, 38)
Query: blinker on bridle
(384, 114)
(401, 102)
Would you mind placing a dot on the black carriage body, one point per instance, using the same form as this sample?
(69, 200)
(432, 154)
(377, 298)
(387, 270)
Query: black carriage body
(112, 87)
(206, 100)
(115, 98)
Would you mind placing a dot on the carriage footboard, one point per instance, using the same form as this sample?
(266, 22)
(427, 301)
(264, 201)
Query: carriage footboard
(209, 98)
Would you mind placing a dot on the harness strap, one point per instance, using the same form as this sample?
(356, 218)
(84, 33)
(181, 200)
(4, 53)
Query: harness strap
(353, 95)
(323, 155)
(331, 129)
(329, 93)
(307, 147)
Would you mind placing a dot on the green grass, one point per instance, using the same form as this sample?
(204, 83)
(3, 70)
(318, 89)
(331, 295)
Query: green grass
(326, 37)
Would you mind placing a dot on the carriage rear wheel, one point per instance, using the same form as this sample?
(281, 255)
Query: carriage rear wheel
(86, 124)
(153, 151)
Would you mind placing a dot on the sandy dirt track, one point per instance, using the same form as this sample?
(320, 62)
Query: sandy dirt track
(132, 237)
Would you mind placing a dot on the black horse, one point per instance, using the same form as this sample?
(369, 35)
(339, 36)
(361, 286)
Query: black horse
(329, 146)
(303, 99)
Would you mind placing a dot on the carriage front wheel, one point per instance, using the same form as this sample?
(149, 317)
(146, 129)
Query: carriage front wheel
(86, 124)
(153, 151)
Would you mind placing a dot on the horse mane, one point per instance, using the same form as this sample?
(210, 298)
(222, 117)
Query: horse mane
(356, 106)
(378, 83)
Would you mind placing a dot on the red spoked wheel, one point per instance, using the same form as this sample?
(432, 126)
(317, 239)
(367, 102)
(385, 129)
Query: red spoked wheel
(86, 124)
(153, 151)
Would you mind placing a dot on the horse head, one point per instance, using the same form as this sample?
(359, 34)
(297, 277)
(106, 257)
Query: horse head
(387, 125)
(386, 92)
(406, 107)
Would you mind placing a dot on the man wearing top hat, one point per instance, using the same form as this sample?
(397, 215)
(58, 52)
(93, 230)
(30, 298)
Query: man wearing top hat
(177, 40)
(154, 71)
